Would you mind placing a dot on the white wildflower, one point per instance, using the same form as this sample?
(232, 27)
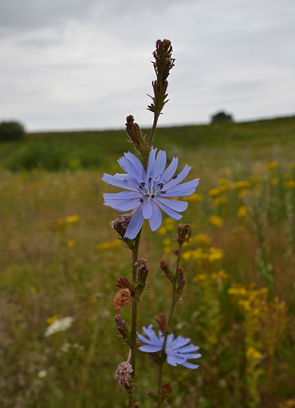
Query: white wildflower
(59, 325)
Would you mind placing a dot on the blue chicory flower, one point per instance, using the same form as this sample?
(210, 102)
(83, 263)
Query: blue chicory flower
(148, 190)
(176, 350)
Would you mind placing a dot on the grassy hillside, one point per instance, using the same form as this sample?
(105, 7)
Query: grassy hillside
(94, 149)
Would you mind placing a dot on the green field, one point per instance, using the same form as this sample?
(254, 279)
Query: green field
(239, 301)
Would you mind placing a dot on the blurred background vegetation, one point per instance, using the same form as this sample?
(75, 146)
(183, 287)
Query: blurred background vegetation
(59, 258)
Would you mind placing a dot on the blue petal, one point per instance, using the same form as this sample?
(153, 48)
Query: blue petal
(180, 342)
(123, 195)
(151, 164)
(135, 224)
(189, 365)
(189, 348)
(171, 169)
(128, 166)
(152, 335)
(156, 218)
(198, 355)
(174, 360)
(149, 349)
(174, 205)
(182, 189)
(123, 205)
(159, 164)
(178, 179)
(168, 211)
(137, 164)
(118, 182)
(147, 209)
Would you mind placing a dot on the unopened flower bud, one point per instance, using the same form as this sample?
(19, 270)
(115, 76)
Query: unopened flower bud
(161, 322)
(124, 282)
(184, 233)
(142, 275)
(136, 405)
(166, 390)
(123, 373)
(165, 268)
(121, 299)
(121, 223)
(137, 139)
(123, 328)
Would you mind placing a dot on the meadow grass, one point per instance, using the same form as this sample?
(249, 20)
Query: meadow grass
(59, 258)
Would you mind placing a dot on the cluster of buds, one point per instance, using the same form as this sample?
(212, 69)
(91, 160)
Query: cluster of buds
(139, 286)
(137, 139)
(162, 65)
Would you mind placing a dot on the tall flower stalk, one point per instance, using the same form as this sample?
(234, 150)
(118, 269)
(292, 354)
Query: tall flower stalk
(149, 188)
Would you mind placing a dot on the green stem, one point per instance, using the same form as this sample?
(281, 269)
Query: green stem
(134, 316)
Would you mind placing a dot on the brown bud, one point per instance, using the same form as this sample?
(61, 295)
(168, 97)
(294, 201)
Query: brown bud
(123, 328)
(165, 268)
(166, 390)
(184, 233)
(124, 282)
(136, 405)
(121, 223)
(123, 373)
(161, 322)
(121, 299)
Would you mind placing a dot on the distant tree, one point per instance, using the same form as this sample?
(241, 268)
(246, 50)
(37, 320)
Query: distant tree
(221, 117)
(10, 131)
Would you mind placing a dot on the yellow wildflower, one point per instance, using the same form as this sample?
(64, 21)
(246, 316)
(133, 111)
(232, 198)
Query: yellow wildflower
(253, 354)
(199, 254)
(290, 184)
(216, 220)
(241, 185)
(214, 192)
(215, 254)
(223, 181)
(71, 243)
(242, 211)
(202, 239)
(219, 275)
(199, 277)
(72, 218)
(167, 249)
(272, 165)
(274, 181)
(162, 230)
(167, 241)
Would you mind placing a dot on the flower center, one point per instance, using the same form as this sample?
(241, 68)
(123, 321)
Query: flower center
(151, 189)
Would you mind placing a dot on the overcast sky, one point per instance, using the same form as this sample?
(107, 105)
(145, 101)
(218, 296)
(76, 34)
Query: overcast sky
(86, 64)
